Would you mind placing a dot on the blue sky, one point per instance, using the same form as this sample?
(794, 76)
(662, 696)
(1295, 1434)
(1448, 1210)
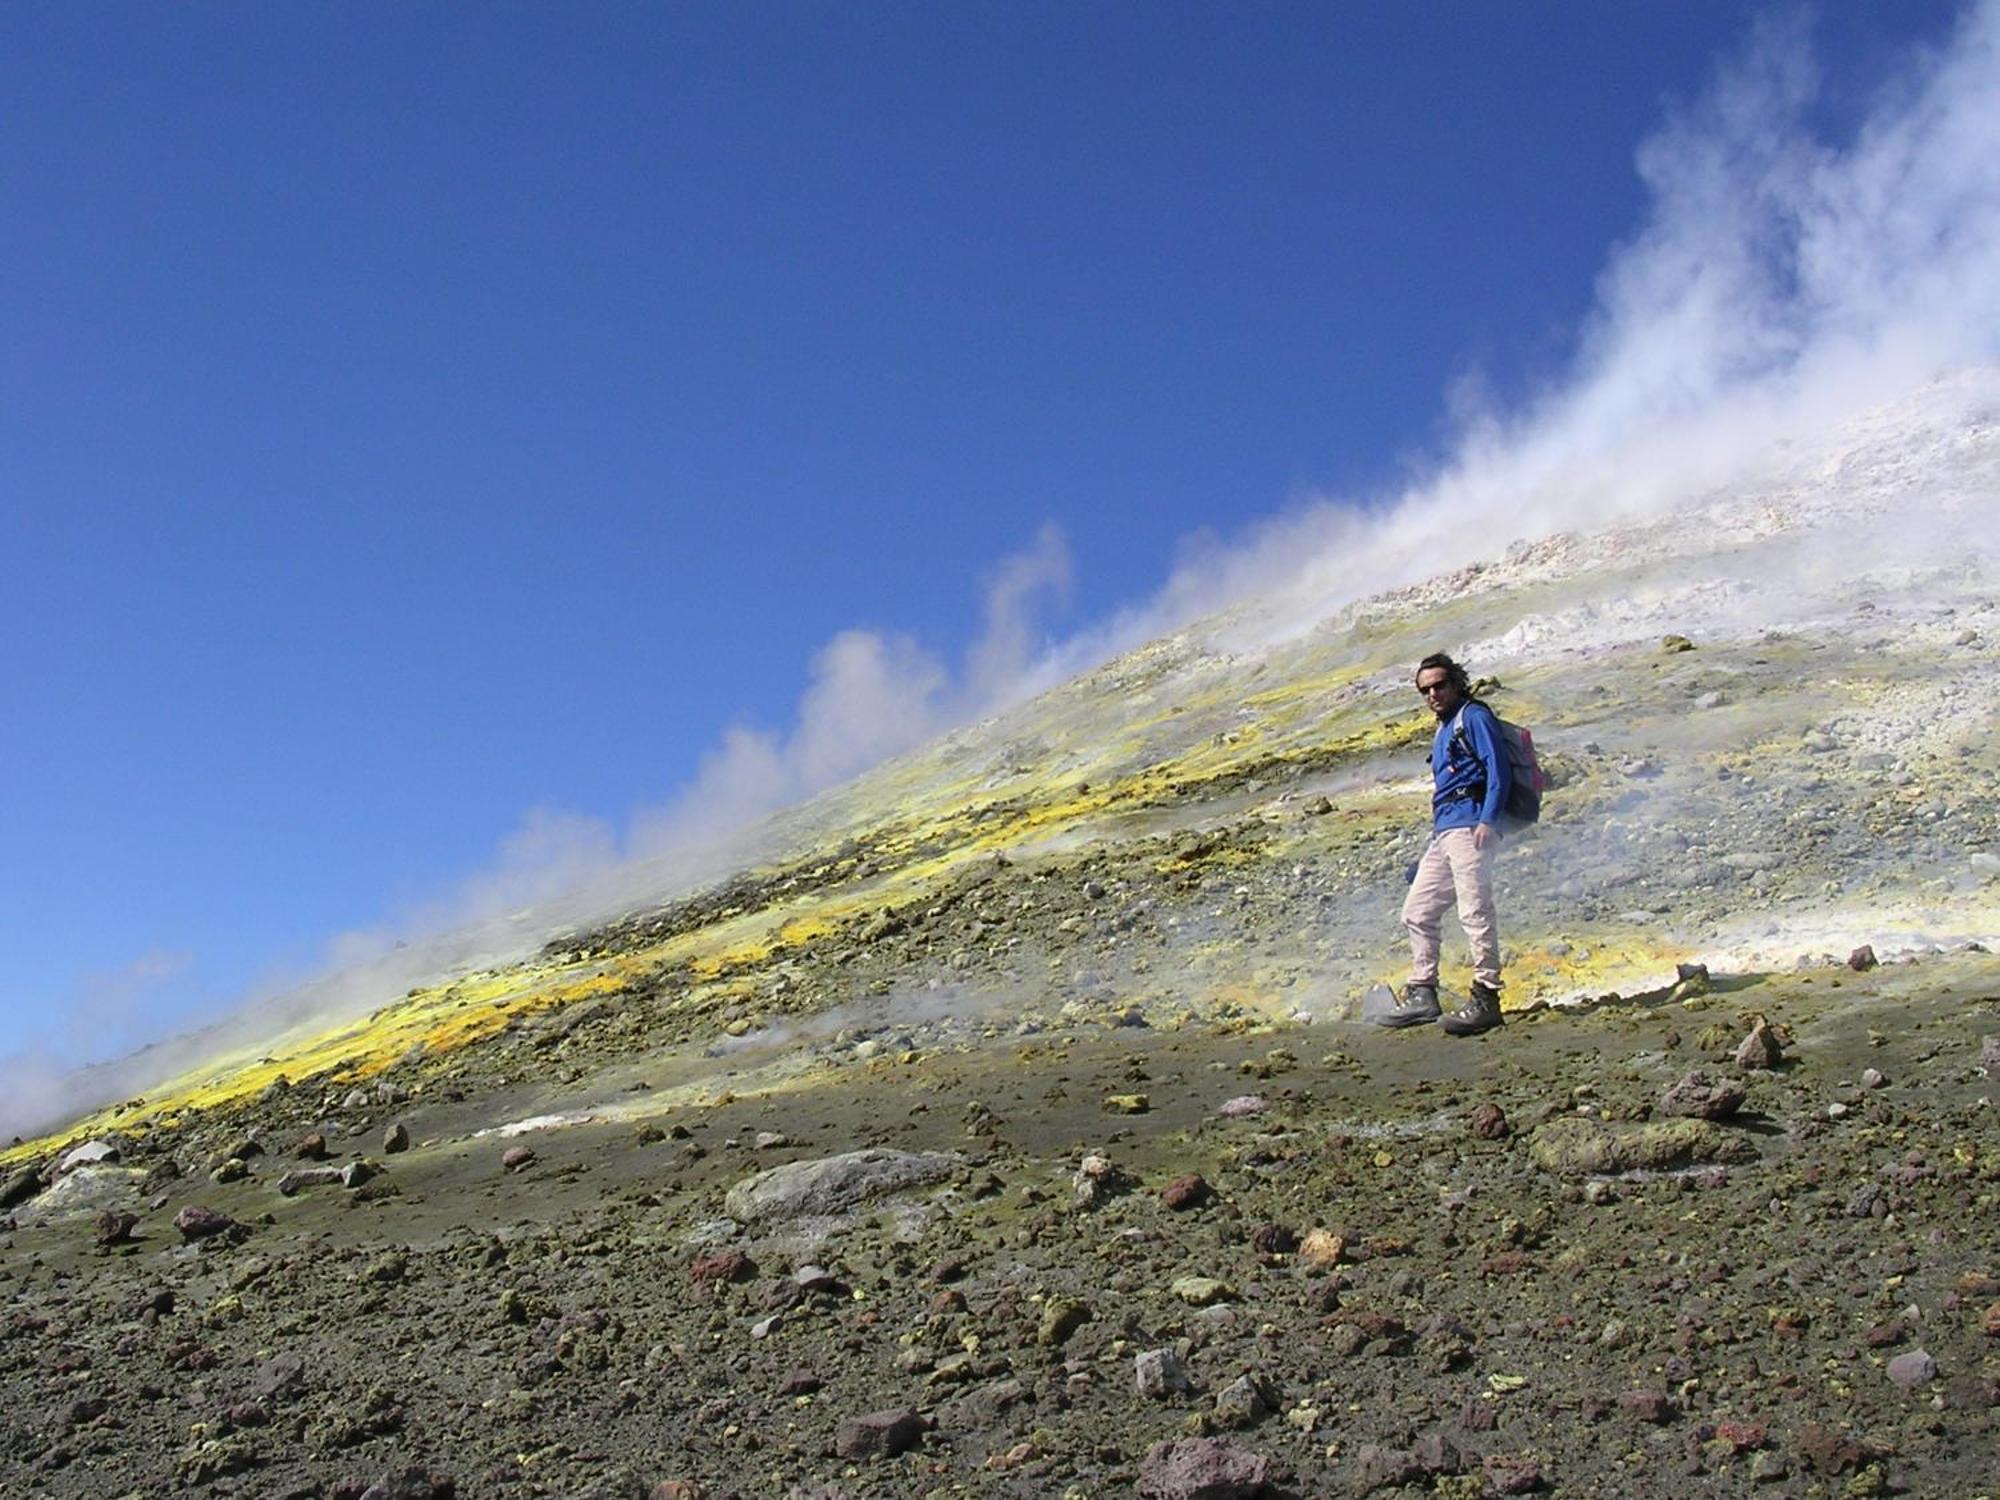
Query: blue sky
(415, 417)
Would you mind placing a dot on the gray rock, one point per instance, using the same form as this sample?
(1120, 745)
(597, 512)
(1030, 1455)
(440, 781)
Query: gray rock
(89, 1154)
(1379, 1468)
(196, 1222)
(1202, 1469)
(396, 1138)
(834, 1183)
(1242, 1403)
(87, 1191)
(1158, 1373)
(1913, 1369)
(20, 1187)
(879, 1432)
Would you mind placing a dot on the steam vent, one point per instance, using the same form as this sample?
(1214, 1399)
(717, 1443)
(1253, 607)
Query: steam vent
(1007, 1125)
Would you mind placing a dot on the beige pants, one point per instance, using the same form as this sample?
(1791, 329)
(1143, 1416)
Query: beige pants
(1451, 866)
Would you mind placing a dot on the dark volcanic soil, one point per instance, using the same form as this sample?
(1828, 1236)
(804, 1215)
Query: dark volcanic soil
(1802, 1299)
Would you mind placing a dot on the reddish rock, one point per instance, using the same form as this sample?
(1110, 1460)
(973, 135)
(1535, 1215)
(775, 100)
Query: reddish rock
(1202, 1469)
(1977, 1284)
(1700, 1097)
(516, 1157)
(114, 1227)
(1882, 1335)
(676, 1489)
(1862, 959)
(311, 1148)
(1489, 1122)
(1761, 1048)
(1829, 1452)
(1742, 1436)
(722, 1266)
(198, 1223)
(1508, 1263)
(1513, 1476)
(1647, 1406)
(1185, 1191)
(1990, 1324)
(799, 1383)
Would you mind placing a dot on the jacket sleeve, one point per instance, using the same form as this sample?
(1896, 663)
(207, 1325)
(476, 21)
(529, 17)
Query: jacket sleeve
(1483, 730)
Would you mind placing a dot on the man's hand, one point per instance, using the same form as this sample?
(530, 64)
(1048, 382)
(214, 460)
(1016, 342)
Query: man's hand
(1484, 835)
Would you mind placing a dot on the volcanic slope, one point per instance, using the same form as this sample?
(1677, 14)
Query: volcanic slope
(1147, 1195)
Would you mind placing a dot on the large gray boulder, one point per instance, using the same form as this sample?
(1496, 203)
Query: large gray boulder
(834, 1183)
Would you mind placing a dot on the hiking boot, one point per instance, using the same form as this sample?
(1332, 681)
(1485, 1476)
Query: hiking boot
(1419, 1008)
(1480, 1013)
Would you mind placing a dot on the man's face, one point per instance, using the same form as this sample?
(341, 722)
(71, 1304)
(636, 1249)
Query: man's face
(1436, 686)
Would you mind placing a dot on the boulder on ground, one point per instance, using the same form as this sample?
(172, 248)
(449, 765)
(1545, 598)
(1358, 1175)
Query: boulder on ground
(1202, 1469)
(832, 1184)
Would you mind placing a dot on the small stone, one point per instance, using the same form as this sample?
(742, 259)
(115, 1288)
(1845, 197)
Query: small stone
(1700, 1097)
(724, 1266)
(1242, 1105)
(196, 1222)
(884, 1433)
(1830, 1453)
(1186, 1191)
(1379, 1468)
(1061, 1317)
(1241, 1403)
(1673, 645)
(1489, 1122)
(516, 1157)
(114, 1227)
(676, 1489)
(1274, 1239)
(233, 1170)
(1128, 1104)
(1321, 1248)
(1647, 1405)
(799, 1382)
(311, 1147)
(1761, 1048)
(1873, 1078)
(1158, 1373)
(1202, 1291)
(1436, 1454)
(1513, 1476)
(396, 1138)
(1862, 959)
(1769, 1467)
(1913, 1369)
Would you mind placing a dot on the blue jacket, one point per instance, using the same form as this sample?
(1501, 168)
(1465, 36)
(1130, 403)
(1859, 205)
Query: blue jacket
(1470, 769)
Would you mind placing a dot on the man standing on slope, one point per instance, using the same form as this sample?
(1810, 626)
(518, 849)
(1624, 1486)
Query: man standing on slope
(1471, 776)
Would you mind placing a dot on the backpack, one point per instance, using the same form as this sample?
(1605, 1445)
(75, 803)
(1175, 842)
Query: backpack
(1527, 780)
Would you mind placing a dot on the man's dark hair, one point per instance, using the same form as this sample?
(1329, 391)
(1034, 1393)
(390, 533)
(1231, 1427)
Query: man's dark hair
(1454, 673)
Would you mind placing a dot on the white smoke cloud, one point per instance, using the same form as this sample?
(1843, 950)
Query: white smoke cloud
(1778, 282)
